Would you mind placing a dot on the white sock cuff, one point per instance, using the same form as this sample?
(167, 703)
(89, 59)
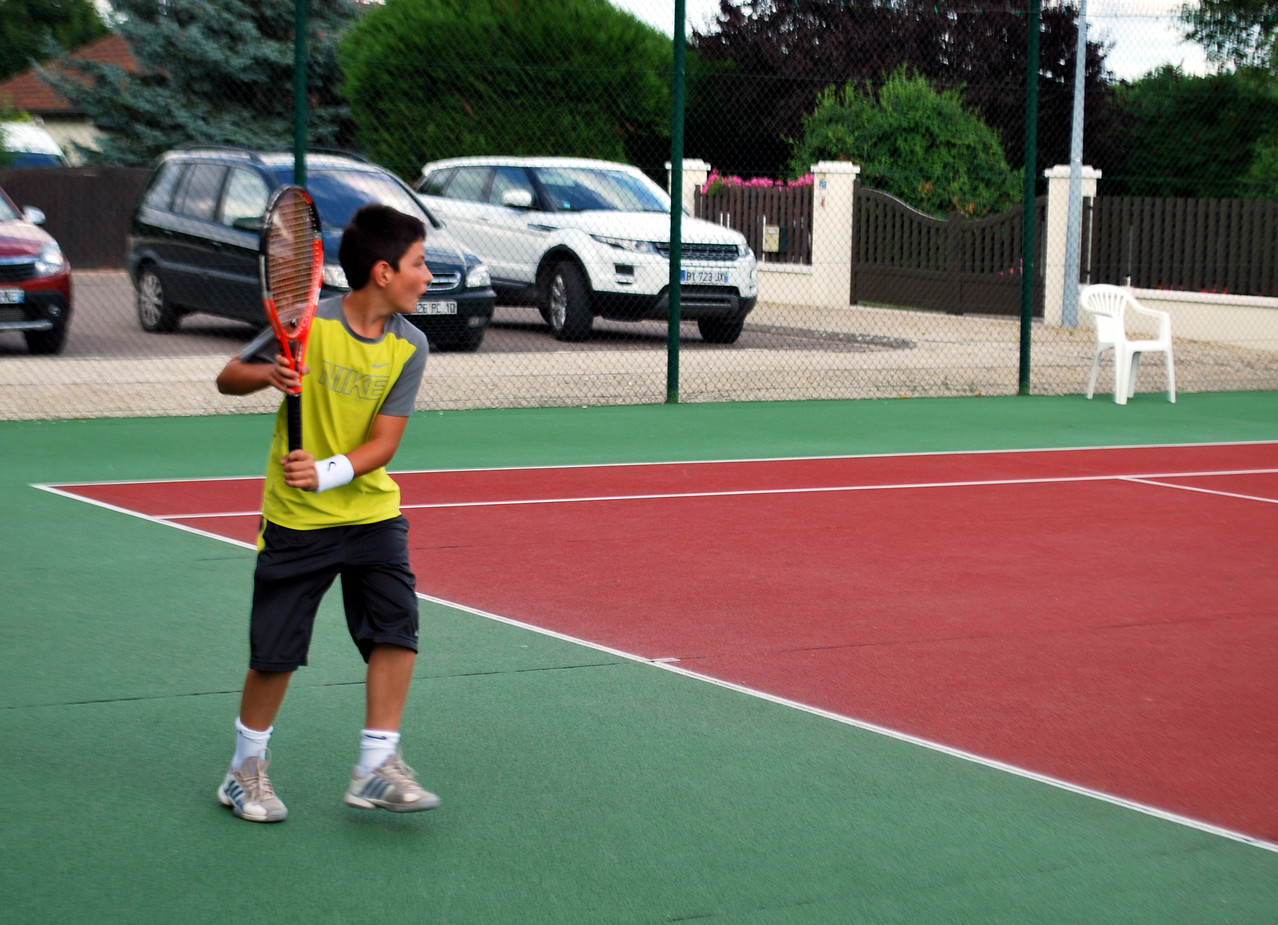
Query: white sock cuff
(389, 736)
(253, 734)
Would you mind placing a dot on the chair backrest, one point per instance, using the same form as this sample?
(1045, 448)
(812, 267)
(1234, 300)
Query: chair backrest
(1107, 304)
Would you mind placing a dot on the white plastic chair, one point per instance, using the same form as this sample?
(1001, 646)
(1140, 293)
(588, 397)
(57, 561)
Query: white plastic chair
(1109, 306)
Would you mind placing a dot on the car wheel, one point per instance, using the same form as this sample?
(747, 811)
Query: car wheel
(721, 330)
(566, 303)
(155, 312)
(47, 342)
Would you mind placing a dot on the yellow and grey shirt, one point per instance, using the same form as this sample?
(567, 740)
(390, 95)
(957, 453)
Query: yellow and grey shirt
(352, 380)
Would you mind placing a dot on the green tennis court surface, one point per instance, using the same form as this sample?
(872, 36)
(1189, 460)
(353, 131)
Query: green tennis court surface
(578, 786)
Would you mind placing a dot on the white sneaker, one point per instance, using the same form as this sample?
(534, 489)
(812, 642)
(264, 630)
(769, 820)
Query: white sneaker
(247, 791)
(389, 786)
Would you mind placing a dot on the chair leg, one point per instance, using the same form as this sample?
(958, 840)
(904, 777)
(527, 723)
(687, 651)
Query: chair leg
(1171, 378)
(1122, 375)
(1091, 382)
(1131, 379)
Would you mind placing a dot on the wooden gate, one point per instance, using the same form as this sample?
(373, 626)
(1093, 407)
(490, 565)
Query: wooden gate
(906, 258)
(1199, 245)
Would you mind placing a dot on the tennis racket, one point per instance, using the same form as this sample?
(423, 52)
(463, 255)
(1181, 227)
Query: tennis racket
(291, 263)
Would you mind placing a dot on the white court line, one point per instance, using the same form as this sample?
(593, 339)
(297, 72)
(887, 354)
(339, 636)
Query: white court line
(968, 483)
(1146, 478)
(1206, 491)
(671, 665)
(719, 462)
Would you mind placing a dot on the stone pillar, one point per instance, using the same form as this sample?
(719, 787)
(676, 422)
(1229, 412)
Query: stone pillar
(695, 174)
(833, 186)
(1054, 248)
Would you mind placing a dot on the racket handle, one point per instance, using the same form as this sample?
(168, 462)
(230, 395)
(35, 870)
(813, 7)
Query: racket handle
(294, 407)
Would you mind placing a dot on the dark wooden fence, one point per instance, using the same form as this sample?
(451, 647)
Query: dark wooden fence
(776, 221)
(87, 209)
(1198, 245)
(904, 257)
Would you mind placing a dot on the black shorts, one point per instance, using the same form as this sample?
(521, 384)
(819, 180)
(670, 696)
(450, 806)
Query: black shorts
(296, 567)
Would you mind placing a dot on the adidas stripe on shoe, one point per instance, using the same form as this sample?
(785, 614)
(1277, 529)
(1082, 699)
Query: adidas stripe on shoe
(248, 793)
(389, 786)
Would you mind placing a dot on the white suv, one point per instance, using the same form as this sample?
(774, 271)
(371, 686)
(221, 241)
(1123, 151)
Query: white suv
(579, 238)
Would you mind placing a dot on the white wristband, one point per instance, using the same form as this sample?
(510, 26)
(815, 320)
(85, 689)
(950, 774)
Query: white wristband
(334, 471)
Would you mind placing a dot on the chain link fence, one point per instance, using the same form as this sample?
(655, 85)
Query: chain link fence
(929, 101)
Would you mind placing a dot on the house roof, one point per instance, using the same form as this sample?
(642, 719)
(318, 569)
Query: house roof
(28, 91)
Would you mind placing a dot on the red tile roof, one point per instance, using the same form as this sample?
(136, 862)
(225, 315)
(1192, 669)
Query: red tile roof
(28, 92)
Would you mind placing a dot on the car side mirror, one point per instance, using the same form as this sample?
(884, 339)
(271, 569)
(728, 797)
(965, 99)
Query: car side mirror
(33, 215)
(250, 223)
(517, 199)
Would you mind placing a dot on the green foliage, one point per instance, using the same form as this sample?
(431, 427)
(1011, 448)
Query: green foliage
(32, 31)
(1194, 136)
(1242, 33)
(1261, 181)
(920, 145)
(212, 71)
(510, 77)
(9, 114)
(756, 73)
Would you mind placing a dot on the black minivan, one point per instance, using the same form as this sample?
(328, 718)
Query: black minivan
(193, 241)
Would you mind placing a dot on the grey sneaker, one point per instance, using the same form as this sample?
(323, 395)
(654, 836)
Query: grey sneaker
(247, 791)
(390, 786)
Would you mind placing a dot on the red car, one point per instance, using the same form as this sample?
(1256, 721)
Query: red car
(35, 280)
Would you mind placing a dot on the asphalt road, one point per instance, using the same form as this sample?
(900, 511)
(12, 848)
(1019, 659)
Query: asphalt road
(104, 324)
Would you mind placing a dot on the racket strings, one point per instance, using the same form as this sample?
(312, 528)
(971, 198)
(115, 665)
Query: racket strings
(290, 259)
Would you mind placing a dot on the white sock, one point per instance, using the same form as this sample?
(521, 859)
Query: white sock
(249, 743)
(375, 746)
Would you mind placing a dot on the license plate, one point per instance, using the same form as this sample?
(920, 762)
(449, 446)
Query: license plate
(436, 308)
(704, 277)
(11, 296)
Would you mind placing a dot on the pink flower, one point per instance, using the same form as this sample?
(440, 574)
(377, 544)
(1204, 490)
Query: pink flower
(717, 181)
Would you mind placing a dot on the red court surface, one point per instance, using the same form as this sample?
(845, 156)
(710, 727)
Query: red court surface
(1105, 618)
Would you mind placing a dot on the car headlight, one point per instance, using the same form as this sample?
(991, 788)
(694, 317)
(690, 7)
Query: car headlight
(477, 277)
(335, 276)
(50, 261)
(627, 244)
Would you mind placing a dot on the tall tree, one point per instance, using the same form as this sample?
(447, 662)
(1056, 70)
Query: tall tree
(1195, 136)
(32, 31)
(921, 146)
(1241, 33)
(212, 71)
(507, 77)
(760, 69)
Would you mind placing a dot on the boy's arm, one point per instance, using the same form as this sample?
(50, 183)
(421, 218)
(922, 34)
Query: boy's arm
(373, 453)
(239, 377)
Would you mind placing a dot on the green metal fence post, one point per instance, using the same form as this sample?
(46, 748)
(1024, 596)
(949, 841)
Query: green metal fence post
(299, 91)
(1027, 222)
(676, 206)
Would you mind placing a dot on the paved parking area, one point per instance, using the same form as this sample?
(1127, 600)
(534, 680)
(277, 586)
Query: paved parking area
(112, 368)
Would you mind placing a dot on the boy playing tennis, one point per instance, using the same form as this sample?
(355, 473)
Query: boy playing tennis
(338, 515)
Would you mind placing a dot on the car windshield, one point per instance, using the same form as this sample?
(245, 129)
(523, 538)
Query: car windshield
(585, 189)
(339, 193)
(36, 159)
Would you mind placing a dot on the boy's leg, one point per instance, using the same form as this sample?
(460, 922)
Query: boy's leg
(263, 693)
(246, 790)
(382, 780)
(259, 703)
(390, 672)
(378, 591)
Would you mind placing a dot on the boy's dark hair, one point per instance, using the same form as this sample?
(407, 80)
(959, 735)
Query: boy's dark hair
(376, 232)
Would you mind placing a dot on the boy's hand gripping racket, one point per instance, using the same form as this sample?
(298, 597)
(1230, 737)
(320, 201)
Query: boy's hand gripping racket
(291, 263)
